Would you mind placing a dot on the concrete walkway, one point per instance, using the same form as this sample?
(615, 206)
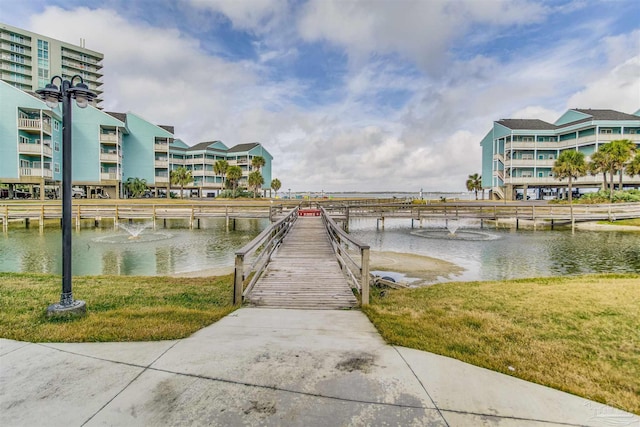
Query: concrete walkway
(277, 368)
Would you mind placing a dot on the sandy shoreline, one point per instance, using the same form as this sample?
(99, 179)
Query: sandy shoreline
(425, 270)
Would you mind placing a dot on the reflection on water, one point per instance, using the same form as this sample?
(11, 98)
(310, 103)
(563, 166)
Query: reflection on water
(510, 254)
(108, 251)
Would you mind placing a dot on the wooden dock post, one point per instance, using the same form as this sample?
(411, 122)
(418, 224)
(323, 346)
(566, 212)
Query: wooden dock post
(78, 218)
(364, 285)
(154, 217)
(41, 222)
(238, 282)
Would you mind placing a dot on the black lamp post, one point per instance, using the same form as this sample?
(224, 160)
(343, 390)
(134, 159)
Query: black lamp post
(52, 95)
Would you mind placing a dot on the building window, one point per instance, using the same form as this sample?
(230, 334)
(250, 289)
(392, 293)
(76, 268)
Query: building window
(16, 48)
(56, 145)
(56, 125)
(17, 38)
(23, 140)
(56, 167)
(606, 130)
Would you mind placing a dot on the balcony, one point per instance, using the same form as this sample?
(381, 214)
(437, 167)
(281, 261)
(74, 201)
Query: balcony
(162, 179)
(550, 180)
(34, 124)
(7, 57)
(161, 147)
(522, 145)
(109, 137)
(111, 156)
(499, 157)
(36, 172)
(161, 163)
(108, 176)
(34, 149)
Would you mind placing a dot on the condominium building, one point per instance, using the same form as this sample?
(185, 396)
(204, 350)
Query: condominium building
(108, 148)
(28, 61)
(518, 154)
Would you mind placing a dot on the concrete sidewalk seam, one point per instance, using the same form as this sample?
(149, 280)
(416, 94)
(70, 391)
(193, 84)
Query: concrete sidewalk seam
(511, 417)
(421, 385)
(145, 368)
(26, 344)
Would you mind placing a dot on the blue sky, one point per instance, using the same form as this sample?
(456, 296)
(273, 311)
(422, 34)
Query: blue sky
(353, 95)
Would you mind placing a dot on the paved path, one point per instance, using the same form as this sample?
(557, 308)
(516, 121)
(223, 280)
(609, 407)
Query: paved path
(304, 272)
(275, 368)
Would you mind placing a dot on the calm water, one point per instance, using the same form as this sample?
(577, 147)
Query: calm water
(491, 254)
(486, 254)
(108, 251)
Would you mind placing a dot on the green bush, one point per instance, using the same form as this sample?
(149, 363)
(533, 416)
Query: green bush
(626, 196)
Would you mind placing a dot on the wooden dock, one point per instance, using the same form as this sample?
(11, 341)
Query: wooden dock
(303, 273)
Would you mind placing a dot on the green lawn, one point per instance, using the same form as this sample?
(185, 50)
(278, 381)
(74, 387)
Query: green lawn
(119, 308)
(577, 334)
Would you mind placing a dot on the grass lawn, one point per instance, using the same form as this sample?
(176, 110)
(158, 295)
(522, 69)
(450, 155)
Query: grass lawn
(119, 308)
(577, 334)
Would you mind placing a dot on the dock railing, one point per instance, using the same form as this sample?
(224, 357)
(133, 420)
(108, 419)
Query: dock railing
(252, 259)
(353, 256)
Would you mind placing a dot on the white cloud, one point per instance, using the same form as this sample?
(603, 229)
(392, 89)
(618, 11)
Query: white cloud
(389, 126)
(419, 30)
(255, 15)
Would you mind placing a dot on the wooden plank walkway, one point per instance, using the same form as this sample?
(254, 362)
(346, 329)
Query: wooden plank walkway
(303, 273)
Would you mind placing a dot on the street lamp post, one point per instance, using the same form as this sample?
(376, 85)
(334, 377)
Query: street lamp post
(52, 95)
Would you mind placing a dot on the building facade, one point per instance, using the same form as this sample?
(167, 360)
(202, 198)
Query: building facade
(108, 149)
(518, 155)
(28, 61)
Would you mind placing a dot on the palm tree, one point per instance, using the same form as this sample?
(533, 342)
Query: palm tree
(136, 186)
(600, 163)
(570, 164)
(255, 180)
(220, 168)
(474, 183)
(181, 176)
(234, 173)
(633, 168)
(623, 150)
(258, 162)
(275, 185)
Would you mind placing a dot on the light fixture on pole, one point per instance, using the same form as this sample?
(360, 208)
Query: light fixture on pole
(52, 95)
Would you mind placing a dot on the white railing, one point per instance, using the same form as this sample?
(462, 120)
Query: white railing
(161, 147)
(111, 176)
(34, 149)
(161, 179)
(161, 163)
(37, 172)
(108, 137)
(108, 157)
(36, 124)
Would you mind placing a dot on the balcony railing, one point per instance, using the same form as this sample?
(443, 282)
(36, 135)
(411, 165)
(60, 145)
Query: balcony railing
(162, 179)
(108, 137)
(34, 124)
(110, 176)
(109, 157)
(161, 147)
(36, 172)
(161, 163)
(34, 149)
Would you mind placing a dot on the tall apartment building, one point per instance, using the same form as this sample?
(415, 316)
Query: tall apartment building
(28, 61)
(518, 154)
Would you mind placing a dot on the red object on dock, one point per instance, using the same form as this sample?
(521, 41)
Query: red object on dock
(308, 212)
